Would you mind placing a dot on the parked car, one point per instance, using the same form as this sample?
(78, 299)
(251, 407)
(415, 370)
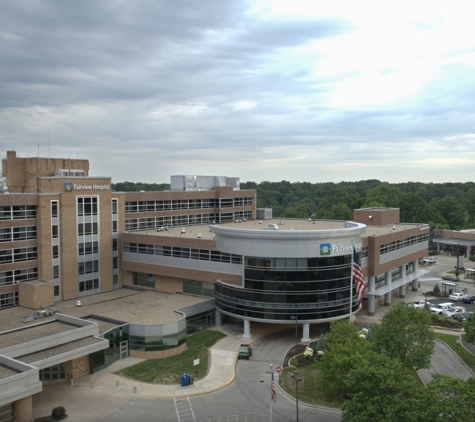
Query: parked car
(450, 277)
(421, 304)
(465, 316)
(440, 307)
(454, 312)
(245, 351)
(468, 299)
(430, 260)
(456, 296)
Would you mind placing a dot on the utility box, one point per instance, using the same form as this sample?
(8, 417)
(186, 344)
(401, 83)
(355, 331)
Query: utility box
(185, 380)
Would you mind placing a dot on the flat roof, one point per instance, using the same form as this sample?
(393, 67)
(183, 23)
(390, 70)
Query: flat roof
(126, 305)
(6, 372)
(34, 332)
(191, 232)
(59, 350)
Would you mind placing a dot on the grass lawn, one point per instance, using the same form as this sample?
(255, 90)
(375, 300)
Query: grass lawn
(168, 370)
(451, 341)
(311, 389)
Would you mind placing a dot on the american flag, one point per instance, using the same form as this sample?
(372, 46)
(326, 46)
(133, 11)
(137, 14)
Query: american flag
(272, 388)
(358, 277)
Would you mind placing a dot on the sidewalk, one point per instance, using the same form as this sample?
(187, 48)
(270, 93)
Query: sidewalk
(99, 395)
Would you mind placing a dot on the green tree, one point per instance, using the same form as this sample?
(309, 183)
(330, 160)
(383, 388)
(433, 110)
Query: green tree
(449, 399)
(405, 334)
(346, 350)
(385, 194)
(451, 210)
(414, 209)
(382, 391)
(340, 211)
(469, 328)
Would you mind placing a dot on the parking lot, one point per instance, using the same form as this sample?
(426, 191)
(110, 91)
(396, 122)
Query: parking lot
(439, 268)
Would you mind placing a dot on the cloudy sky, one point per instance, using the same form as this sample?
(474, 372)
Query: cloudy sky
(263, 90)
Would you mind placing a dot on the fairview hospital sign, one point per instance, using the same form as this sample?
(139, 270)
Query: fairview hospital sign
(69, 187)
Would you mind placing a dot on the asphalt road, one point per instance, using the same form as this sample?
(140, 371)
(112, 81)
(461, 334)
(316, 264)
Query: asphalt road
(247, 399)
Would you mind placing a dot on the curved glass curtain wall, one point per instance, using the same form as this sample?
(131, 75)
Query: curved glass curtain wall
(279, 288)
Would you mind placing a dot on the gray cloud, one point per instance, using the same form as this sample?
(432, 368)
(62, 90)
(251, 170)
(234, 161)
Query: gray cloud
(205, 87)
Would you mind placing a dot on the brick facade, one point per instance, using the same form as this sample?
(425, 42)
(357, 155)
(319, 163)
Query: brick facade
(36, 294)
(158, 354)
(78, 368)
(23, 410)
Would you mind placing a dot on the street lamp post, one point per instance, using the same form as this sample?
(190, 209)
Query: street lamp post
(198, 329)
(297, 379)
(296, 326)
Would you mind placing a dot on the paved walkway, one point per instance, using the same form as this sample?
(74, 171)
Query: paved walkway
(97, 396)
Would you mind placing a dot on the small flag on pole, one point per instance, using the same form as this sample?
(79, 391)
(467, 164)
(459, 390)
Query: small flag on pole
(272, 388)
(358, 277)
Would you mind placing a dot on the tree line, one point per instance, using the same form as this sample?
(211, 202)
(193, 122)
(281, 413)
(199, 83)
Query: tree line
(443, 205)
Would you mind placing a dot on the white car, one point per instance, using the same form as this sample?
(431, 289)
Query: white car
(430, 260)
(441, 307)
(453, 312)
(456, 296)
(421, 304)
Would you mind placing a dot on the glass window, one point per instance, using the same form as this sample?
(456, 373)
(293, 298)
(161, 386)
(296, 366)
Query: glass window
(54, 209)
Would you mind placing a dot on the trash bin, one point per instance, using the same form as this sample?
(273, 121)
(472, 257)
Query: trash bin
(192, 379)
(184, 380)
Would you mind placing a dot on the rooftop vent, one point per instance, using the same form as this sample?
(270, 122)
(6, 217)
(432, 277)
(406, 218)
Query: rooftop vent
(273, 227)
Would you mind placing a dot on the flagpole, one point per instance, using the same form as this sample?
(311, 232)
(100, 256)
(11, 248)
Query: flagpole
(351, 282)
(271, 374)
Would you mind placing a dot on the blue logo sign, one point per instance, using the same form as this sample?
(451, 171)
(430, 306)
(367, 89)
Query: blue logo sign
(68, 187)
(325, 249)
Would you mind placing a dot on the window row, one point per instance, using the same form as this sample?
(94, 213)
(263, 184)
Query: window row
(403, 243)
(85, 229)
(18, 276)
(187, 204)
(87, 285)
(169, 221)
(17, 212)
(178, 252)
(341, 262)
(87, 205)
(88, 248)
(8, 300)
(8, 234)
(88, 267)
(8, 256)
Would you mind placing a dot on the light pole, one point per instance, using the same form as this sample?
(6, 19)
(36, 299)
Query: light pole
(297, 379)
(296, 324)
(198, 329)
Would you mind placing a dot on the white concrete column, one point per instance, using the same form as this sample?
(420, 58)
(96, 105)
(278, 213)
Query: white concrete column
(247, 330)
(219, 317)
(415, 282)
(387, 282)
(371, 297)
(305, 333)
(402, 275)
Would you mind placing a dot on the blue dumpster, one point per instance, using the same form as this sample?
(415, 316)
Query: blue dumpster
(185, 380)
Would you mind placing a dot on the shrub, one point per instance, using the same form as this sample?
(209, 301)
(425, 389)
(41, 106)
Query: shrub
(436, 289)
(58, 413)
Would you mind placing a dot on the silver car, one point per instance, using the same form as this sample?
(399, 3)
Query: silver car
(453, 312)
